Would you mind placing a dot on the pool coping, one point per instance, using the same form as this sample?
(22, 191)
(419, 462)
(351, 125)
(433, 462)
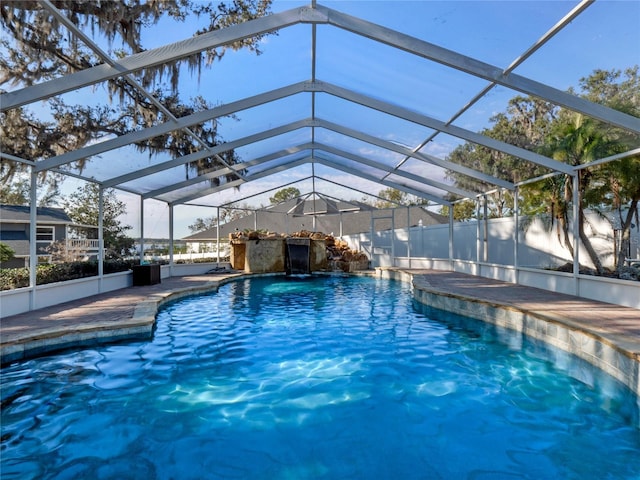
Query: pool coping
(616, 354)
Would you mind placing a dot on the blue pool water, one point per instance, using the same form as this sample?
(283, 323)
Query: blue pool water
(317, 378)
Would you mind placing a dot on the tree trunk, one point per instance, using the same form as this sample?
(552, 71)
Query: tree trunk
(563, 223)
(586, 241)
(583, 182)
(626, 234)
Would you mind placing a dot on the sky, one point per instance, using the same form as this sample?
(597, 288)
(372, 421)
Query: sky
(605, 36)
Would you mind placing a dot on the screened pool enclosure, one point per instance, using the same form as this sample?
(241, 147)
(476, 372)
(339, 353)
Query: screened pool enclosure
(345, 100)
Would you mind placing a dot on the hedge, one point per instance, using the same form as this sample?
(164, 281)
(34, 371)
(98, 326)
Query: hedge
(11, 278)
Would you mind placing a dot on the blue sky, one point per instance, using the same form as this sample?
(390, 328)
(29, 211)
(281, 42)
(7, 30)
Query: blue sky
(605, 36)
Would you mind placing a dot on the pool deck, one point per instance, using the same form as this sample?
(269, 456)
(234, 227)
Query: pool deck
(130, 312)
(620, 325)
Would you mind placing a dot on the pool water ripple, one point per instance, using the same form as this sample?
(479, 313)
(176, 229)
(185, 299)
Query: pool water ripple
(316, 378)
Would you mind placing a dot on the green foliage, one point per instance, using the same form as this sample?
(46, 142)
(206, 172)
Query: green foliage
(118, 265)
(617, 89)
(11, 278)
(578, 140)
(36, 48)
(82, 208)
(393, 198)
(203, 224)
(122, 243)
(525, 124)
(42, 51)
(616, 185)
(203, 260)
(228, 214)
(569, 138)
(16, 192)
(462, 211)
(6, 252)
(285, 194)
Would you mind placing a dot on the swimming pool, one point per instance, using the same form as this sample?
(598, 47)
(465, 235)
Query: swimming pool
(319, 377)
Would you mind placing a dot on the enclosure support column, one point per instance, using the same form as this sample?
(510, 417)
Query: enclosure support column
(340, 224)
(576, 233)
(478, 233)
(393, 237)
(516, 237)
(33, 237)
(100, 236)
(371, 238)
(485, 230)
(409, 235)
(255, 220)
(218, 236)
(141, 230)
(170, 240)
(451, 236)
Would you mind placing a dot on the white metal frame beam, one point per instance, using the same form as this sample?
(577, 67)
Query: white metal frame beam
(477, 68)
(128, 78)
(299, 180)
(230, 205)
(350, 187)
(164, 128)
(157, 56)
(397, 186)
(309, 159)
(430, 122)
(221, 172)
(566, 20)
(312, 146)
(294, 89)
(223, 147)
(315, 15)
(256, 176)
(279, 131)
(394, 147)
(389, 169)
(304, 196)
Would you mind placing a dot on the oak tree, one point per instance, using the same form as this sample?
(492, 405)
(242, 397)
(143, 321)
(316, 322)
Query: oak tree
(36, 47)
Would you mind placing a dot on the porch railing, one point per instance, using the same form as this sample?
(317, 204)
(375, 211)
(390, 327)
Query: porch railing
(89, 245)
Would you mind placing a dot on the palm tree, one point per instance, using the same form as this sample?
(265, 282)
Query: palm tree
(576, 140)
(623, 180)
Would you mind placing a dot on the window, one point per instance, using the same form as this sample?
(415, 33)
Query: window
(44, 234)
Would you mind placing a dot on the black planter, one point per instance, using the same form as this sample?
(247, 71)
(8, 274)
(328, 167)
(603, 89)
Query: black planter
(148, 274)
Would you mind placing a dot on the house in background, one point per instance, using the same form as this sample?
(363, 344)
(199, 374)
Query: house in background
(317, 214)
(52, 225)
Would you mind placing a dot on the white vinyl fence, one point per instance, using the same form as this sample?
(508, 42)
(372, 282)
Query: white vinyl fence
(538, 250)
